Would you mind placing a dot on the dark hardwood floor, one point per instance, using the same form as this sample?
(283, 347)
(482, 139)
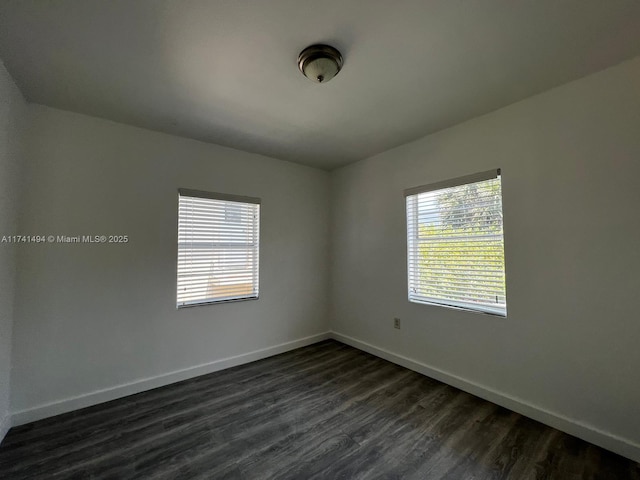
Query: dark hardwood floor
(326, 411)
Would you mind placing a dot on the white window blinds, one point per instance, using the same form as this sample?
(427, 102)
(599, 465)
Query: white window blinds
(218, 248)
(455, 243)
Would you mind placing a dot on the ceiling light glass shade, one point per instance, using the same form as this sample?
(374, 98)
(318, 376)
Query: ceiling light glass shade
(320, 63)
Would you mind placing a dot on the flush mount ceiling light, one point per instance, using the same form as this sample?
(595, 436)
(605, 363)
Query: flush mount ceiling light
(320, 63)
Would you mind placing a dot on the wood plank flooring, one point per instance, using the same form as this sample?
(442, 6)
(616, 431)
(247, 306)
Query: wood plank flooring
(327, 411)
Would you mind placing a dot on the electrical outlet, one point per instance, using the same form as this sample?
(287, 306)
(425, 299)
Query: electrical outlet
(396, 323)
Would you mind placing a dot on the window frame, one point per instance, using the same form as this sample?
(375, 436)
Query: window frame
(225, 197)
(413, 227)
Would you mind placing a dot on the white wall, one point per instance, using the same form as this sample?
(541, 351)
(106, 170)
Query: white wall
(570, 162)
(12, 125)
(94, 317)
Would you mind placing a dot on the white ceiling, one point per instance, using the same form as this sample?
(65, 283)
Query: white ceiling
(225, 71)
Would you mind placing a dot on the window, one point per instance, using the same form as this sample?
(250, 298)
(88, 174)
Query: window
(455, 244)
(218, 248)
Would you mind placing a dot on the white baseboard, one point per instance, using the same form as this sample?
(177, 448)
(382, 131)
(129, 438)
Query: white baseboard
(607, 440)
(5, 425)
(119, 391)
